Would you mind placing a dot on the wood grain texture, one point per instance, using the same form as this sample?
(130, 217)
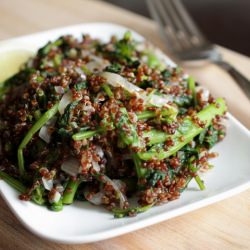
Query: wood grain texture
(224, 225)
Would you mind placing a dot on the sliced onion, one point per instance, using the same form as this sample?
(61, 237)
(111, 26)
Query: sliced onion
(204, 93)
(199, 88)
(71, 167)
(47, 183)
(59, 188)
(193, 144)
(88, 108)
(59, 89)
(119, 183)
(98, 66)
(180, 154)
(142, 46)
(99, 151)
(44, 134)
(96, 166)
(56, 197)
(116, 80)
(95, 199)
(45, 131)
(81, 73)
(121, 196)
(185, 76)
(159, 101)
(65, 101)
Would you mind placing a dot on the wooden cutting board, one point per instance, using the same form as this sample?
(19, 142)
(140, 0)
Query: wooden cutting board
(224, 225)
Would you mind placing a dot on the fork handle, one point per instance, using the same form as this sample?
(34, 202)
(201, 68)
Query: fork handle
(243, 82)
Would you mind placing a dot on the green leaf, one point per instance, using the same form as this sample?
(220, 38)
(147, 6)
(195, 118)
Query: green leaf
(114, 68)
(81, 85)
(154, 177)
(47, 48)
(64, 119)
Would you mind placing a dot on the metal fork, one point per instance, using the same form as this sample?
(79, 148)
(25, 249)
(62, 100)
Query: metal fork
(186, 41)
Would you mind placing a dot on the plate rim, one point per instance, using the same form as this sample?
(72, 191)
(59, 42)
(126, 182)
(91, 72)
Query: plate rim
(154, 219)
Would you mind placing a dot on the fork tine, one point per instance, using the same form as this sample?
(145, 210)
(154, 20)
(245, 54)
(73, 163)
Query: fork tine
(170, 28)
(166, 26)
(181, 32)
(188, 24)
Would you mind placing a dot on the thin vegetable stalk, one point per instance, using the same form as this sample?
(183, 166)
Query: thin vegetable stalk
(191, 86)
(58, 206)
(197, 178)
(90, 133)
(107, 90)
(186, 132)
(120, 213)
(70, 191)
(155, 136)
(127, 130)
(39, 123)
(86, 134)
(36, 196)
(140, 171)
(17, 185)
(148, 114)
(132, 138)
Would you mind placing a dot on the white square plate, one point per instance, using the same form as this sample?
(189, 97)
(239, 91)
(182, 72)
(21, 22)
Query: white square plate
(83, 222)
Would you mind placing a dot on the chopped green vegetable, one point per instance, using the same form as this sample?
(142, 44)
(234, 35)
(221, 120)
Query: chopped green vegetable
(107, 90)
(64, 119)
(39, 123)
(120, 213)
(13, 182)
(70, 191)
(86, 134)
(79, 86)
(197, 178)
(127, 131)
(57, 206)
(37, 196)
(153, 60)
(141, 172)
(114, 68)
(188, 129)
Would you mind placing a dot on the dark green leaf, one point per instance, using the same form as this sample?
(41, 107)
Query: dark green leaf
(155, 177)
(64, 119)
(80, 86)
(114, 68)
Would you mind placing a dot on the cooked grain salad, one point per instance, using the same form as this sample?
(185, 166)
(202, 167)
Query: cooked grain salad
(102, 122)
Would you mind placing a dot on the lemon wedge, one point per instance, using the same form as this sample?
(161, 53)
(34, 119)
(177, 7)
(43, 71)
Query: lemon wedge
(11, 61)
